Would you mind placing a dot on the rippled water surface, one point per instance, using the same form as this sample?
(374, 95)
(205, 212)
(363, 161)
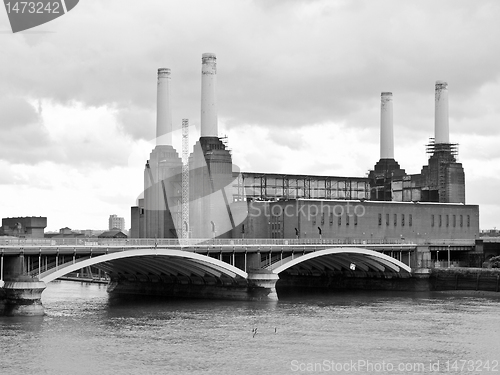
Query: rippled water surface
(84, 332)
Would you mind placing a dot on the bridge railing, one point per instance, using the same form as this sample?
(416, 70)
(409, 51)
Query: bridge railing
(191, 241)
(52, 266)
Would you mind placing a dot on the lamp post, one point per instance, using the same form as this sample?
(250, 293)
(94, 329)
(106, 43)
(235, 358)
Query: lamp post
(213, 229)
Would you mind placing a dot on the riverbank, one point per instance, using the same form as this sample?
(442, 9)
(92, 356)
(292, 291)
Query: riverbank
(469, 293)
(466, 279)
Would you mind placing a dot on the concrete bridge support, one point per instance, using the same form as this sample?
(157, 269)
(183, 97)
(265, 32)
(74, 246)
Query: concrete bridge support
(261, 282)
(22, 298)
(262, 285)
(20, 295)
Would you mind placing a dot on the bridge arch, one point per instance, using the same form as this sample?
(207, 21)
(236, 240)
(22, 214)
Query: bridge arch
(151, 260)
(338, 258)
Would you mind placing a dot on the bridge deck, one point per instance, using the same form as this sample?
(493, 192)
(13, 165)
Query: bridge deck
(102, 248)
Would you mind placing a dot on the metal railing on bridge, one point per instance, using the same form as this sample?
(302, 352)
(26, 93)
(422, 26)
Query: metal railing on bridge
(130, 242)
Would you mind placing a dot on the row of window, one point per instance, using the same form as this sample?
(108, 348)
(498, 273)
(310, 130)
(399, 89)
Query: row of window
(298, 192)
(398, 219)
(447, 219)
(403, 217)
(348, 218)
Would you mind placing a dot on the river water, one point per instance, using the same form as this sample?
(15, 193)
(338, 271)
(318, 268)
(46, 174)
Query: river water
(85, 332)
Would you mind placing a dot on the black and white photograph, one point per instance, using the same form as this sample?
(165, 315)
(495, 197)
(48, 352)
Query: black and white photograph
(249, 187)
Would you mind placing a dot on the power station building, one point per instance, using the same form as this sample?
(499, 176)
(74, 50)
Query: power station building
(388, 204)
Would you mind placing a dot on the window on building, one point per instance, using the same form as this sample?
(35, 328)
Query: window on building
(454, 221)
(322, 218)
(379, 219)
(432, 220)
(461, 220)
(402, 220)
(440, 221)
(387, 219)
(410, 220)
(355, 219)
(468, 220)
(395, 219)
(346, 219)
(447, 220)
(339, 220)
(331, 218)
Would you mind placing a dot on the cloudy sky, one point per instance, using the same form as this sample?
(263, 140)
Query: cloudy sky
(299, 86)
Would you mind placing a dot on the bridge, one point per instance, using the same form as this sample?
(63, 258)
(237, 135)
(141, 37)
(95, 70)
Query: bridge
(216, 268)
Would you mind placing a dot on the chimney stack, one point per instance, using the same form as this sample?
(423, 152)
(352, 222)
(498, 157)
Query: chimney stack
(386, 127)
(208, 100)
(163, 112)
(441, 122)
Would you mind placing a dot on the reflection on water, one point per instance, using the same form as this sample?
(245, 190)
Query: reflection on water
(85, 332)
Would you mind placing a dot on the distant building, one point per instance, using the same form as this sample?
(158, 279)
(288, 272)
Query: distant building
(65, 233)
(26, 227)
(88, 232)
(113, 233)
(490, 233)
(116, 222)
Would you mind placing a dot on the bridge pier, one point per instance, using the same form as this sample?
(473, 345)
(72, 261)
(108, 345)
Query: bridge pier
(20, 295)
(22, 298)
(262, 285)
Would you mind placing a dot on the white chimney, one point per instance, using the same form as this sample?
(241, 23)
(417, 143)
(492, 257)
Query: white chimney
(208, 100)
(163, 112)
(386, 127)
(441, 122)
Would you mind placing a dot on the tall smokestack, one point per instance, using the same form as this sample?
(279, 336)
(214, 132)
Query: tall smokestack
(386, 127)
(163, 112)
(441, 122)
(208, 100)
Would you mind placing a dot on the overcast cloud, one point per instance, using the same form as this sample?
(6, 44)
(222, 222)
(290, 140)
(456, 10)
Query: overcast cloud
(298, 87)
